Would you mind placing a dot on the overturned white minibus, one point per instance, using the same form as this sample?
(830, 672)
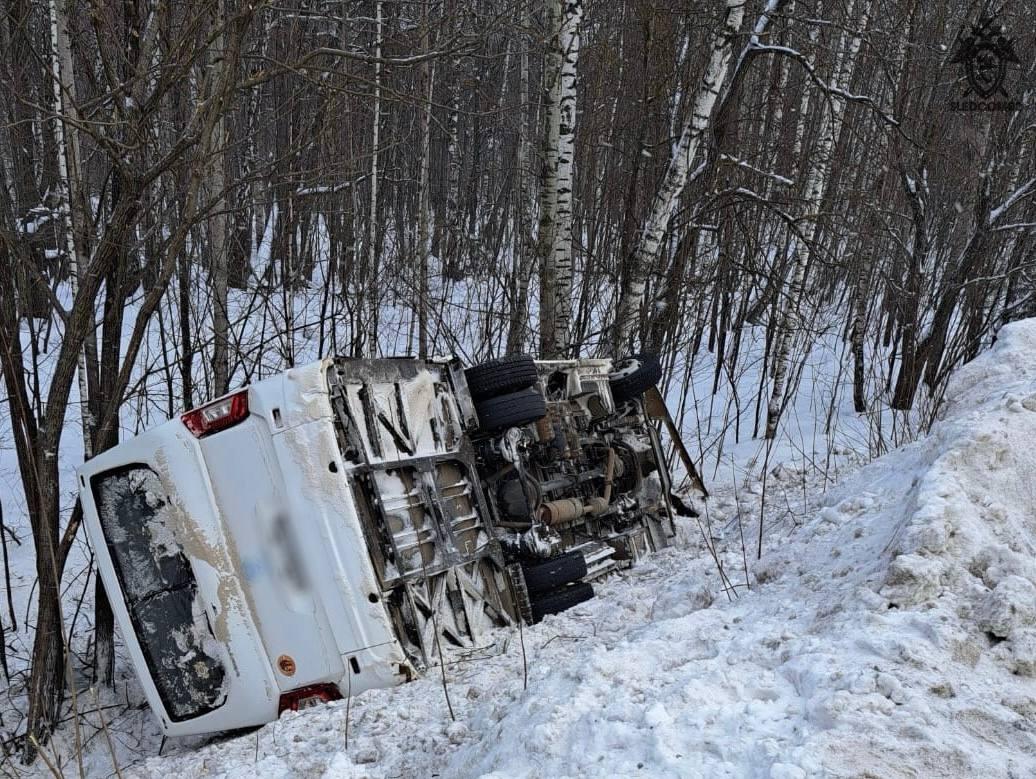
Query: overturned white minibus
(337, 527)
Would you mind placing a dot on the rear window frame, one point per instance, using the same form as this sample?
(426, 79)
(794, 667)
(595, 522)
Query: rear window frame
(96, 482)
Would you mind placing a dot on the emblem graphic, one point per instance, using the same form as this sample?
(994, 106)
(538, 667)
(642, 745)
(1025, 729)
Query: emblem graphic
(985, 54)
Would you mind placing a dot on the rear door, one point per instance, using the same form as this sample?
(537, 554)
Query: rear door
(159, 589)
(164, 561)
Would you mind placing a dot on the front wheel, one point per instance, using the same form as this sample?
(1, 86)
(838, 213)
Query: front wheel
(632, 377)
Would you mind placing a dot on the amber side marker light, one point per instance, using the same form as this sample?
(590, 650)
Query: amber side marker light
(217, 415)
(307, 697)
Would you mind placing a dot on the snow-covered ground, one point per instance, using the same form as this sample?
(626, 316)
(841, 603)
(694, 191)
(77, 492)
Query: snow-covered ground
(890, 630)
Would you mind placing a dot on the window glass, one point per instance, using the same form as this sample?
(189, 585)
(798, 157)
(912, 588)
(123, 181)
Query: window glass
(160, 591)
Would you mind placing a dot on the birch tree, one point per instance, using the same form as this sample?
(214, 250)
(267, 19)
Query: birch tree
(663, 206)
(555, 239)
(548, 196)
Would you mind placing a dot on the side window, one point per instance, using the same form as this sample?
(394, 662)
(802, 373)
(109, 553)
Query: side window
(159, 589)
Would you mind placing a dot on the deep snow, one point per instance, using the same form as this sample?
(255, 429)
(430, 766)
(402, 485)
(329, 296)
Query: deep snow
(891, 633)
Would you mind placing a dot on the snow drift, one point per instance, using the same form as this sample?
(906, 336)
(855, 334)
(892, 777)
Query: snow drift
(893, 633)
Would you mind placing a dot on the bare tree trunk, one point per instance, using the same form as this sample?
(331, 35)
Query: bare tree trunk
(859, 328)
(218, 250)
(450, 257)
(70, 181)
(373, 301)
(186, 361)
(522, 241)
(816, 183)
(69, 173)
(663, 206)
(424, 237)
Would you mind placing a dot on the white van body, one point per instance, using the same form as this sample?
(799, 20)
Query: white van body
(317, 542)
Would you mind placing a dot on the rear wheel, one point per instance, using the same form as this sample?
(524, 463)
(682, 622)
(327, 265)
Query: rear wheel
(556, 572)
(560, 600)
(632, 377)
(501, 376)
(511, 410)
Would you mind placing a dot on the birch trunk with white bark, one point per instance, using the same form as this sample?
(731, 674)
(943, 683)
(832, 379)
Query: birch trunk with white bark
(70, 182)
(663, 206)
(551, 119)
(561, 250)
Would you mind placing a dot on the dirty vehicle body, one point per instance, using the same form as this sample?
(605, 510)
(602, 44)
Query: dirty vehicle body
(339, 526)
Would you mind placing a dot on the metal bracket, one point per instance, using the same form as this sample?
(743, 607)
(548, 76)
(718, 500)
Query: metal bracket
(656, 408)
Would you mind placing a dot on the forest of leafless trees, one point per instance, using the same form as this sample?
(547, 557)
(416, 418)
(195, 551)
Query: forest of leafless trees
(193, 195)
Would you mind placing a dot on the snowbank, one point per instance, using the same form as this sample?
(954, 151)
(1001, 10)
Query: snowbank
(893, 633)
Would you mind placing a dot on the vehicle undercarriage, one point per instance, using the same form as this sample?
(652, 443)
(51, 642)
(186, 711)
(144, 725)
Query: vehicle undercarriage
(501, 492)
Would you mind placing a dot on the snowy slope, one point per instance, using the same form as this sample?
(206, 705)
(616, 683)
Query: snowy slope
(891, 633)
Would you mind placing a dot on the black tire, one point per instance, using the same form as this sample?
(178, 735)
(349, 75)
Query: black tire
(632, 377)
(501, 376)
(556, 572)
(511, 410)
(560, 600)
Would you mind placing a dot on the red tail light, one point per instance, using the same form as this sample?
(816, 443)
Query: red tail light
(305, 697)
(217, 415)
